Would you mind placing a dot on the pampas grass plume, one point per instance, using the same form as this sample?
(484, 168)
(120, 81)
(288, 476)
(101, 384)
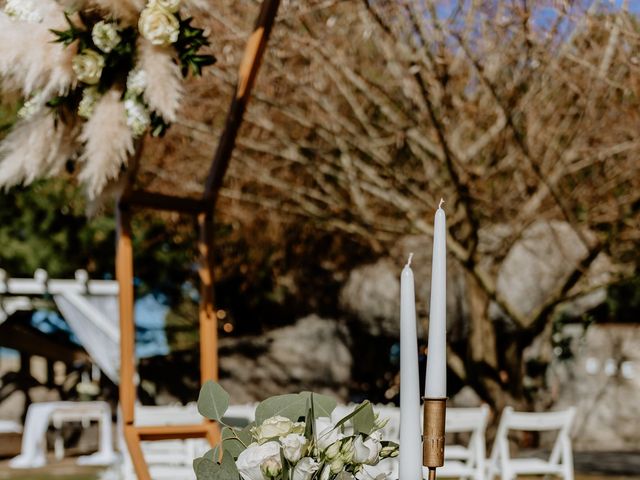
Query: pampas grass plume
(164, 90)
(108, 142)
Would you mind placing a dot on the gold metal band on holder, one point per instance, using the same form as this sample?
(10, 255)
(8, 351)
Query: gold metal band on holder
(435, 410)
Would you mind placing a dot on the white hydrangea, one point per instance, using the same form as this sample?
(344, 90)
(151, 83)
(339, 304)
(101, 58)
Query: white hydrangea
(136, 81)
(23, 10)
(138, 118)
(90, 97)
(105, 36)
(31, 106)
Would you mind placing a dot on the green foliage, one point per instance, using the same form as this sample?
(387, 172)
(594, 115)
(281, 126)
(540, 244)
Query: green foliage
(364, 420)
(190, 41)
(294, 406)
(213, 400)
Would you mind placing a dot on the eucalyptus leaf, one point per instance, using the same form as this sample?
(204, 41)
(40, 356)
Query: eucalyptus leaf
(228, 468)
(235, 441)
(213, 400)
(290, 406)
(364, 420)
(348, 417)
(205, 469)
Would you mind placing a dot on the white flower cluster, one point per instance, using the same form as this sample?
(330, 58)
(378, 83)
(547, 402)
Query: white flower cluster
(138, 118)
(31, 106)
(333, 454)
(90, 97)
(105, 36)
(158, 22)
(23, 10)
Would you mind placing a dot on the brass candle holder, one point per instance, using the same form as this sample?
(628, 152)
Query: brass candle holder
(435, 410)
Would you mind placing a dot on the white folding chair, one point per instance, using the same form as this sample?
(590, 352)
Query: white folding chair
(465, 461)
(559, 463)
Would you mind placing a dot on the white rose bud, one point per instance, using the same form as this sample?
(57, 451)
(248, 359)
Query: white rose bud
(298, 427)
(271, 467)
(389, 451)
(271, 428)
(88, 102)
(327, 433)
(333, 451)
(346, 451)
(88, 66)
(250, 460)
(105, 36)
(326, 473)
(170, 5)
(337, 465)
(159, 26)
(305, 469)
(293, 446)
(367, 451)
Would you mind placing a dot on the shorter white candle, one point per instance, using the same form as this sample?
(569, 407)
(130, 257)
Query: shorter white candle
(410, 459)
(436, 378)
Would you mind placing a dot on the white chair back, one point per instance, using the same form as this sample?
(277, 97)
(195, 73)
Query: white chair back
(560, 462)
(466, 461)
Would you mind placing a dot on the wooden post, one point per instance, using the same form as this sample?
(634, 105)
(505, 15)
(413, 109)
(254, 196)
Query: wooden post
(208, 318)
(124, 275)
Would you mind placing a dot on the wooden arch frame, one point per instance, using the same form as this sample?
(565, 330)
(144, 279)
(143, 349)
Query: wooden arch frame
(204, 209)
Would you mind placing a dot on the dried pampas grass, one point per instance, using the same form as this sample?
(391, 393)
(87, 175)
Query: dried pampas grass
(164, 89)
(107, 143)
(29, 60)
(35, 147)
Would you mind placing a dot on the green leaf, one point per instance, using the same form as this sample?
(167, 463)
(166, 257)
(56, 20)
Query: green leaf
(323, 405)
(236, 441)
(364, 420)
(213, 400)
(290, 406)
(228, 469)
(348, 417)
(205, 469)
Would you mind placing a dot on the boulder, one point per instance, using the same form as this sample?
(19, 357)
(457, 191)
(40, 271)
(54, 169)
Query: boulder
(603, 381)
(313, 354)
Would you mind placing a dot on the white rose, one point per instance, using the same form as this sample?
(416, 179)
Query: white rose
(88, 102)
(250, 460)
(367, 451)
(88, 66)
(293, 446)
(272, 427)
(159, 26)
(138, 118)
(305, 469)
(170, 5)
(105, 36)
(271, 467)
(337, 465)
(137, 81)
(327, 433)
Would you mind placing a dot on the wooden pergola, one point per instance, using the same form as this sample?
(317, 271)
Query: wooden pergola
(204, 208)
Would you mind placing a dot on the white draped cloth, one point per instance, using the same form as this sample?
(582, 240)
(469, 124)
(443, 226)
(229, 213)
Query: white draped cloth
(95, 321)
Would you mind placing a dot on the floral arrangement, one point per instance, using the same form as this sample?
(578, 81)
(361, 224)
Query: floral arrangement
(96, 75)
(293, 438)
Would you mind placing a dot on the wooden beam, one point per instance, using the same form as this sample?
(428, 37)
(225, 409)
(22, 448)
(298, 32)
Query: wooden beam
(247, 74)
(207, 312)
(160, 201)
(132, 439)
(124, 275)
(168, 432)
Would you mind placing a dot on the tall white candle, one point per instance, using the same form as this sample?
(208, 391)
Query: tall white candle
(436, 378)
(410, 433)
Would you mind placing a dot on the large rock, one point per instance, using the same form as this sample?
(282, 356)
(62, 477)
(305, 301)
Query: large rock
(372, 292)
(313, 354)
(541, 261)
(603, 382)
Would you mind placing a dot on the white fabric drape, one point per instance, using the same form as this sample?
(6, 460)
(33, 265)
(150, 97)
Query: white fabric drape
(95, 321)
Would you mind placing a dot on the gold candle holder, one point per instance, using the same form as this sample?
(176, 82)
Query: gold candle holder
(435, 410)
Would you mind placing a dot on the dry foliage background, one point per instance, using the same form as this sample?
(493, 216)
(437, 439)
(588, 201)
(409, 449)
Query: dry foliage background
(367, 112)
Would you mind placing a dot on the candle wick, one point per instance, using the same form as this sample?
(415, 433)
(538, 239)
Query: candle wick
(409, 261)
(441, 202)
